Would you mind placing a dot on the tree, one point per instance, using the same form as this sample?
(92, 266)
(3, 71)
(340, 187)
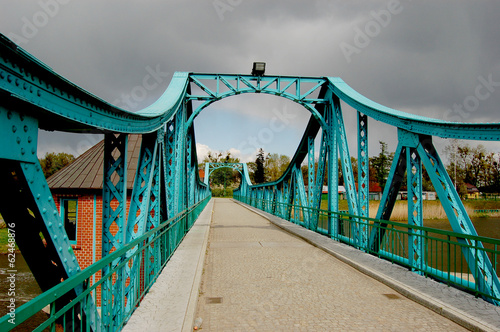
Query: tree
(259, 175)
(474, 165)
(275, 166)
(222, 176)
(354, 167)
(381, 164)
(252, 167)
(52, 162)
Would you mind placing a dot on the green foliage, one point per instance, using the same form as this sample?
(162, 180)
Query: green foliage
(275, 166)
(252, 167)
(224, 176)
(380, 165)
(4, 241)
(222, 192)
(474, 165)
(53, 162)
(259, 175)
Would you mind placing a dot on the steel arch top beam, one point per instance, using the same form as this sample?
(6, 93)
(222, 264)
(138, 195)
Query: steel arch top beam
(411, 122)
(215, 166)
(240, 167)
(61, 105)
(294, 88)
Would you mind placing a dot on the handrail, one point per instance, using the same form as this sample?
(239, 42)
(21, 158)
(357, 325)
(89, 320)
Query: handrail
(444, 259)
(117, 260)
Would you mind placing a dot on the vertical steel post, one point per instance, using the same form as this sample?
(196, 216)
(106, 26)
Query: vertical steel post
(142, 200)
(333, 170)
(345, 158)
(416, 256)
(363, 176)
(113, 223)
(311, 183)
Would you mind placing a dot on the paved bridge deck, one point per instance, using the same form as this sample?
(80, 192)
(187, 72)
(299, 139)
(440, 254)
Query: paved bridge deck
(264, 274)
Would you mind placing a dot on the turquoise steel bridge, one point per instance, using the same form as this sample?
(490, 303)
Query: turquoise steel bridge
(168, 194)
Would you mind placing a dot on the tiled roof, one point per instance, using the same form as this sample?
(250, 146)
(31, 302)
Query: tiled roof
(471, 188)
(85, 172)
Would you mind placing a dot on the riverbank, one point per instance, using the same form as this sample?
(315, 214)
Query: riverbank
(431, 209)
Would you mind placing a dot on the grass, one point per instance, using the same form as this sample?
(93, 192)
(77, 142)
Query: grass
(431, 209)
(4, 237)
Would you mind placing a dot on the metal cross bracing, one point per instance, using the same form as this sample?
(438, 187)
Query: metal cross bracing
(166, 194)
(167, 190)
(211, 167)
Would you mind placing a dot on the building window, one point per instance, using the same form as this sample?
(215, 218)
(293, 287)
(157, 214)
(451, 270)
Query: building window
(69, 212)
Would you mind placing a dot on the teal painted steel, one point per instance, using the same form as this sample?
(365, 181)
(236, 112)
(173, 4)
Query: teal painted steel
(114, 207)
(363, 176)
(363, 165)
(411, 122)
(479, 263)
(143, 203)
(415, 206)
(211, 167)
(167, 236)
(333, 171)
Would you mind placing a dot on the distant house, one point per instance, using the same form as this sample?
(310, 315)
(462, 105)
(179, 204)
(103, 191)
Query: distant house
(375, 191)
(472, 191)
(341, 191)
(426, 195)
(429, 196)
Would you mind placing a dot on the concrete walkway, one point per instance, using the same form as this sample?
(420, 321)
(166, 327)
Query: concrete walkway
(262, 273)
(171, 302)
(258, 277)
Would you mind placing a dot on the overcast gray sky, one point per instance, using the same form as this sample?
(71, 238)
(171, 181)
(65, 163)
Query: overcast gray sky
(434, 59)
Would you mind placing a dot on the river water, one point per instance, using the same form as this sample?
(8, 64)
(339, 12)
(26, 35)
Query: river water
(25, 288)
(487, 227)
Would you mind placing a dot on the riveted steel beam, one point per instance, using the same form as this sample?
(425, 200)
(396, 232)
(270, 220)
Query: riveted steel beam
(113, 224)
(416, 253)
(478, 262)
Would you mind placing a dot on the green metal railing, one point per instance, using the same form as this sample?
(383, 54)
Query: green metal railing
(443, 257)
(487, 211)
(72, 316)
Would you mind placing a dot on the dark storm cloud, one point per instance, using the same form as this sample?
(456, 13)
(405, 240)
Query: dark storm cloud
(425, 58)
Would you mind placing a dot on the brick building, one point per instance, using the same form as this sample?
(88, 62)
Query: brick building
(77, 192)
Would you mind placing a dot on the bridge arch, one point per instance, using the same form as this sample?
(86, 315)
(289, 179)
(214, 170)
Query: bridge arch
(296, 89)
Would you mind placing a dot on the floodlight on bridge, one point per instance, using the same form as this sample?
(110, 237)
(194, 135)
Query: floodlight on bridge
(258, 68)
